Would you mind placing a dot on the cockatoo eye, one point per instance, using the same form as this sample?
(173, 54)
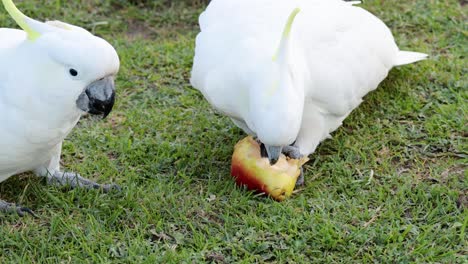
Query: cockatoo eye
(73, 72)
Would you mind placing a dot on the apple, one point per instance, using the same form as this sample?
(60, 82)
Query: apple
(251, 170)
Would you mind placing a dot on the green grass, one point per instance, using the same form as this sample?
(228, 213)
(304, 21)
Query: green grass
(171, 153)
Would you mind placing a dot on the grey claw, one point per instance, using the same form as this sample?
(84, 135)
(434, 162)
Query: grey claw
(110, 187)
(22, 210)
(13, 208)
(300, 179)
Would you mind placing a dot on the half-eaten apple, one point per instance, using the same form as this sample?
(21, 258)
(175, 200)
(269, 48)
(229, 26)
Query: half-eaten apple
(251, 170)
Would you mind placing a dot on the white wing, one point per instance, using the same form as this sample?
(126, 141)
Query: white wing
(349, 52)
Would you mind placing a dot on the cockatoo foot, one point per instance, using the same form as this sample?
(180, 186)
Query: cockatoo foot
(13, 208)
(294, 153)
(74, 180)
(300, 179)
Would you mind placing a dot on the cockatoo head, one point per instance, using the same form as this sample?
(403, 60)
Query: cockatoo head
(65, 64)
(276, 99)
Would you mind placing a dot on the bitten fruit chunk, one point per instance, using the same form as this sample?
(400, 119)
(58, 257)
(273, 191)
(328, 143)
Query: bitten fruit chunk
(251, 170)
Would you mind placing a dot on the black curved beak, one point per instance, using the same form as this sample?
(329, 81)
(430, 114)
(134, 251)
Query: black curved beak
(98, 98)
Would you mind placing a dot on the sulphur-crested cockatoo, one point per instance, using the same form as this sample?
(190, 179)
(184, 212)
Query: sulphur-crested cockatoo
(290, 71)
(50, 75)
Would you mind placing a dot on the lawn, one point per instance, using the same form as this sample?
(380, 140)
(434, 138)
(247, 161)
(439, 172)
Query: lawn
(391, 185)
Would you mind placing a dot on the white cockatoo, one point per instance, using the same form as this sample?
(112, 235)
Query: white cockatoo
(50, 75)
(290, 71)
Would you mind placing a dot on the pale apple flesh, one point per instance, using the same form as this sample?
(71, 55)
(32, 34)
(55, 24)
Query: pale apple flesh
(251, 170)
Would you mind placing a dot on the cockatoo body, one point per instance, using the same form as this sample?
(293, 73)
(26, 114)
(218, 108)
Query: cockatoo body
(289, 72)
(50, 75)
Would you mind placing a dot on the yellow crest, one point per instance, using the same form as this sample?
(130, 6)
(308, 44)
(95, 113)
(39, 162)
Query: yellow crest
(286, 32)
(20, 19)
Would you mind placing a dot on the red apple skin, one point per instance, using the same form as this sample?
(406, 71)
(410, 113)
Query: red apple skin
(251, 170)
